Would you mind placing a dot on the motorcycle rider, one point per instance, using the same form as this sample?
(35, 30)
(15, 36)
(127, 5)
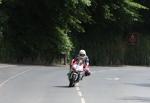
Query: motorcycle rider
(85, 60)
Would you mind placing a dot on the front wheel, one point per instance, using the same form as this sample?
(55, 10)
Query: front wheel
(72, 80)
(71, 84)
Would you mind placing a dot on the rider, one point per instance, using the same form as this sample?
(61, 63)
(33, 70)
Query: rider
(81, 56)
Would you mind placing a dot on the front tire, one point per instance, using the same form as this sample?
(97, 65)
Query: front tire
(71, 84)
(72, 80)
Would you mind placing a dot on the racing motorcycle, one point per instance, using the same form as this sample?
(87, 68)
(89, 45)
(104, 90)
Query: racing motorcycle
(76, 74)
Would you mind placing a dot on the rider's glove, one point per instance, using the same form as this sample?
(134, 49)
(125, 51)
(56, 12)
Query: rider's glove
(87, 73)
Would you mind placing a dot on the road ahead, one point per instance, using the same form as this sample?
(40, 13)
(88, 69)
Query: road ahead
(43, 84)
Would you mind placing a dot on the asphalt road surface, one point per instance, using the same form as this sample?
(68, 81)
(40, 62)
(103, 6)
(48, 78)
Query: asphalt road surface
(45, 84)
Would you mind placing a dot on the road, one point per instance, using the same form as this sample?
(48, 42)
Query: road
(45, 84)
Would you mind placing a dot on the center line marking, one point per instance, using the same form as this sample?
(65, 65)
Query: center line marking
(80, 93)
(82, 100)
(77, 84)
(77, 88)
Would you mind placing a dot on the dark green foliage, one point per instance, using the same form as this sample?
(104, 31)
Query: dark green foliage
(106, 39)
(39, 31)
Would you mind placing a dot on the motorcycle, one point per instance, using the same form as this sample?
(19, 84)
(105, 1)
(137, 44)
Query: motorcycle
(76, 74)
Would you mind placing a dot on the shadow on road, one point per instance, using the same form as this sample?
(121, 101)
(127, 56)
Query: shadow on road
(136, 98)
(61, 86)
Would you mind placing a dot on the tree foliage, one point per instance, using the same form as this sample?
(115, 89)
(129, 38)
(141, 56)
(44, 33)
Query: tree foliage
(39, 31)
(114, 20)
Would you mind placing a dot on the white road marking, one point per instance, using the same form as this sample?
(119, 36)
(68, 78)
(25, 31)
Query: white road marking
(77, 88)
(82, 100)
(4, 82)
(116, 78)
(80, 93)
(77, 84)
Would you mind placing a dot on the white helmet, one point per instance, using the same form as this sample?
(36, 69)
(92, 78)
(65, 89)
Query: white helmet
(82, 53)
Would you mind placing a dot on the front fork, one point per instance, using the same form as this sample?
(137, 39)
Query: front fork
(79, 77)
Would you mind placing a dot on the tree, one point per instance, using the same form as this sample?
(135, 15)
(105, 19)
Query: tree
(40, 30)
(114, 19)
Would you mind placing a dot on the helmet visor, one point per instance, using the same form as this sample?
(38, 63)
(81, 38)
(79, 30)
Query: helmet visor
(82, 55)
